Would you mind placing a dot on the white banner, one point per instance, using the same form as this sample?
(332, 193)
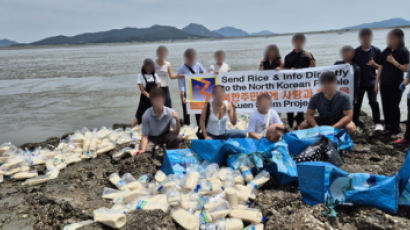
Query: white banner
(290, 89)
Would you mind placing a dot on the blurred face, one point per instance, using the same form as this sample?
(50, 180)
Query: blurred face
(299, 43)
(218, 95)
(158, 102)
(149, 68)
(393, 41)
(272, 54)
(366, 40)
(348, 55)
(264, 105)
(220, 58)
(329, 88)
(190, 59)
(162, 53)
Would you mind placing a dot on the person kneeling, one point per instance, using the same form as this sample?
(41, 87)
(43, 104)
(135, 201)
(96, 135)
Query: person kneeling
(334, 107)
(160, 124)
(215, 115)
(265, 121)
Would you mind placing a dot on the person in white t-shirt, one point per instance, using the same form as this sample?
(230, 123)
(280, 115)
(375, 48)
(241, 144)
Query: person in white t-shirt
(147, 80)
(164, 71)
(265, 121)
(220, 66)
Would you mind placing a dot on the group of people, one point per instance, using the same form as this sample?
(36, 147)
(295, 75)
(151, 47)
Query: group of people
(373, 70)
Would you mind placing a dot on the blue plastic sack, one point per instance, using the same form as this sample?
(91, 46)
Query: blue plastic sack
(262, 154)
(209, 150)
(299, 140)
(178, 161)
(321, 182)
(404, 176)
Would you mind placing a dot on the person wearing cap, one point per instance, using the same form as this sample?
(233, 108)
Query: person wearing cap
(334, 107)
(160, 124)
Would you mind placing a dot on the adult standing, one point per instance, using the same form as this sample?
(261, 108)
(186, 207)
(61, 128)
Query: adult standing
(164, 71)
(271, 59)
(366, 57)
(298, 59)
(394, 62)
(190, 67)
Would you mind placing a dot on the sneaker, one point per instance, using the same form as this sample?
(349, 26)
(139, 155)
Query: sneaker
(402, 142)
(378, 127)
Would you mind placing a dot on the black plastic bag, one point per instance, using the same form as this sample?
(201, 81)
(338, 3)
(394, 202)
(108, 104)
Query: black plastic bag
(322, 150)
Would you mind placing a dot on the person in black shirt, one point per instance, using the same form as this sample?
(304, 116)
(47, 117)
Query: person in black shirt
(298, 59)
(271, 59)
(366, 57)
(394, 62)
(347, 53)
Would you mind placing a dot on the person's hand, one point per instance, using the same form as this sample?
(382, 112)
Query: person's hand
(390, 59)
(216, 72)
(183, 100)
(181, 76)
(138, 152)
(233, 103)
(277, 68)
(175, 115)
(376, 88)
(147, 95)
(208, 138)
(402, 86)
(372, 63)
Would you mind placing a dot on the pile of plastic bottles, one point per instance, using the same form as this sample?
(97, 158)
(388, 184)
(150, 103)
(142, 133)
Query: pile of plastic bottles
(18, 164)
(206, 197)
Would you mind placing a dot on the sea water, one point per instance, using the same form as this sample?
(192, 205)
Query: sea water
(49, 91)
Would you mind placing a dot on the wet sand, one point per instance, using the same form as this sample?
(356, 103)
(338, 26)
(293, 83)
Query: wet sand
(77, 191)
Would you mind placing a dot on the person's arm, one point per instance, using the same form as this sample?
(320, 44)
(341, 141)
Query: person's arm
(143, 91)
(346, 119)
(144, 143)
(396, 64)
(281, 66)
(376, 83)
(177, 126)
(202, 121)
(232, 113)
(171, 74)
(252, 127)
(254, 135)
(312, 62)
(310, 117)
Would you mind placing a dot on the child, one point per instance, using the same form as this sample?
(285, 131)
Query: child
(220, 66)
(147, 81)
(347, 53)
(402, 87)
(265, 118)
(271, 59)
(298, 59)
(366, 57)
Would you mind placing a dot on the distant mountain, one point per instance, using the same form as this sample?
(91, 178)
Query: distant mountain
(6, 42)
(262, 33)
(200, 30)
(393, 22)
(229, 31)
(153, 33)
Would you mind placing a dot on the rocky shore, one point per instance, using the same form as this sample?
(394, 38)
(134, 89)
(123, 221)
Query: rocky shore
(74, 195)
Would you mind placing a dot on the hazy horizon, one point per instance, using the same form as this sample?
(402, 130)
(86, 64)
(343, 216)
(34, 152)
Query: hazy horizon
(28, 21)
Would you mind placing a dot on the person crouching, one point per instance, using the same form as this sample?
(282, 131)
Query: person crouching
(160, 124)
(215, 115)
(334, 107)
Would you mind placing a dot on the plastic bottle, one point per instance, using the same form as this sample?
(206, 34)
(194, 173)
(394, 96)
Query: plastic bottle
(186, 219)
(238, 178)
(246, 173)
(24, 175)
(75, 226)
(260, 179)
(53, 174)
(225, 224)
(160, 176)
(232, 196)
(220, 211)
(133, 184)
(192, 179)
(244, 193)
(208, 187)
(112, 218)
(254, 227)
(211, 171)
(150, 203)
(173, 197)
(251, 215)
(116, 180)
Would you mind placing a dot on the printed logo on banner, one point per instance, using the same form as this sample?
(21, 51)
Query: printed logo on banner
(201, 91)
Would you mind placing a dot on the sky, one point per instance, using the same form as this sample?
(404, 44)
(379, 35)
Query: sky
(31, 20)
